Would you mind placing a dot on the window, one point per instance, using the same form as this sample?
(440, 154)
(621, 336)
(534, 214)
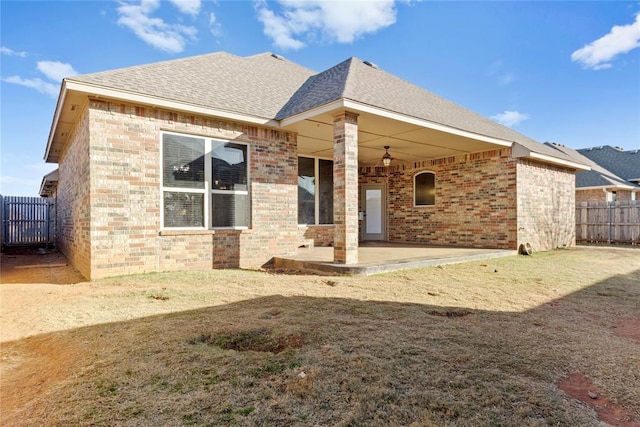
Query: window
(425, 189)
(315, 191)
(201, 172)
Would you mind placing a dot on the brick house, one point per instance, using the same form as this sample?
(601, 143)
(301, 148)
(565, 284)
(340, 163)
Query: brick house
(614, 174)
(220, 161)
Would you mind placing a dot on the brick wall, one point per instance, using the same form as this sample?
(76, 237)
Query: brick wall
(623, 195)
(590, 196)
(475, 202)
(73, 199)
(321, 235)
(546, 205)
(124, 236)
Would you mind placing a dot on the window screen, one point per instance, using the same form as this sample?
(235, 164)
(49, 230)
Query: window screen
(183, 161)
(183, 209)
(230, 210)
(229, 167)
(325, 176)
(306, 191)
(425, 189)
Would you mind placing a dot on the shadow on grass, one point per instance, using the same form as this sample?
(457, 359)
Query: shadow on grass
(338, 362)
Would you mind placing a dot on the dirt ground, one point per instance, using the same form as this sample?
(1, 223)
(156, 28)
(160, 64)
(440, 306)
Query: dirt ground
(41, 293)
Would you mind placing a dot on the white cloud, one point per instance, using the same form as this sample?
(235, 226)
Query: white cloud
(188, 7)
(498, 70)
(154, 31)
(10, 52)
(55, 70)
(506, 78)
(333, 21)
(510, 118)
(276, 28)
(35, 83)
(621, 39)
(214, 25)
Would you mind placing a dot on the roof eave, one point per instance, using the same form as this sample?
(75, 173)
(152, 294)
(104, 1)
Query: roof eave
(48, 181)
(605, 187)
(111, 93)
(69, 85)
(520, 151)
(56, 116)
(106, 92)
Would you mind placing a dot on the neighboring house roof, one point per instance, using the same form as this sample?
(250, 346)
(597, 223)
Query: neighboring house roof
(598, 176)
(270, 90)
(625, 164)
(49, 184)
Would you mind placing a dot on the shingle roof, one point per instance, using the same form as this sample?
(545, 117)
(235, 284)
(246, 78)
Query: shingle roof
(268, 86)
(353, 79)
(257, 85)
(625, 164)
(598, 176)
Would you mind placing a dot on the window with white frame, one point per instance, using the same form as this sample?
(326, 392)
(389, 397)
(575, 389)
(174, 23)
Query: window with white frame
(205, 183)
(424, 187)
(315, 191)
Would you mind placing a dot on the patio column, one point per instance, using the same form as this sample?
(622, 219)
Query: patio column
(345, 188)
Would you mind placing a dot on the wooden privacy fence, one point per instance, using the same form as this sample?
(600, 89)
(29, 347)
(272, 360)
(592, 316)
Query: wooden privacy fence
(608, 222)
(27, 220)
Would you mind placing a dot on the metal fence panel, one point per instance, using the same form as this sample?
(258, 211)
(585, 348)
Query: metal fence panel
(27, 220)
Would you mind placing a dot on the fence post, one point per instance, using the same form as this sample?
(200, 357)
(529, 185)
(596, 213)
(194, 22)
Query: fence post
(610, 219)
(1, 222)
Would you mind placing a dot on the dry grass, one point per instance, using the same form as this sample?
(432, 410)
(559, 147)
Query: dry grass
(481, 343)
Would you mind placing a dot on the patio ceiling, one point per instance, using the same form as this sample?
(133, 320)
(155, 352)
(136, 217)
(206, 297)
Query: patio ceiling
(409, 140)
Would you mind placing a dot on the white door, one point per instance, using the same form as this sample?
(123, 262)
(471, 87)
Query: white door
(374, 202)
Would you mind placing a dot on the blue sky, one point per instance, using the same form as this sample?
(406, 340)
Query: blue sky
(567, 72)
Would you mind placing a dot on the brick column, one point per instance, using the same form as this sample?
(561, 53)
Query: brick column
(345, 188)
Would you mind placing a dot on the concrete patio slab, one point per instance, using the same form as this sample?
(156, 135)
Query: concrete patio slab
(380, 257)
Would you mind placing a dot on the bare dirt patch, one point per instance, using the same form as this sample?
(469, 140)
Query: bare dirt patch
(457, 345)
(628, 328)
(582, 388)
(36, 265)
(30, 371)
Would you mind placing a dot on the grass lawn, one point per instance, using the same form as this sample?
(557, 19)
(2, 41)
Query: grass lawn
(480, 343)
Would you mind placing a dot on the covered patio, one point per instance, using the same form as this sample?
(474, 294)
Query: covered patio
(382, 257)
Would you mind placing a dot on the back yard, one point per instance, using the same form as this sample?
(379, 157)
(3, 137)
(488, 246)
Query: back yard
(548, 339)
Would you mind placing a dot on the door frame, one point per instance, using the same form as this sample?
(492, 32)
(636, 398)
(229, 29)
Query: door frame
(382, 236)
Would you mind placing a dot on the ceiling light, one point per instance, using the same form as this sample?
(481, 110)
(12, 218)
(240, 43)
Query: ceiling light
(386, 158)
